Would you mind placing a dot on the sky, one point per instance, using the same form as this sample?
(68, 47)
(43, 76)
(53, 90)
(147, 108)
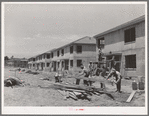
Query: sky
(32, 29)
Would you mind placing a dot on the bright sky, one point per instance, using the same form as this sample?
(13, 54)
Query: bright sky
(31, 29)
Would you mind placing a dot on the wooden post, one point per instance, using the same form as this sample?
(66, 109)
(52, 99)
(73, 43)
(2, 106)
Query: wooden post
(15, 73)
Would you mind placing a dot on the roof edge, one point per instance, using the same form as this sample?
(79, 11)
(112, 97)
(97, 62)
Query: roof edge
(132, 22)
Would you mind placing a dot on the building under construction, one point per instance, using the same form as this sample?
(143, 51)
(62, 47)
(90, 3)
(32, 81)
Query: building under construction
(126, 43)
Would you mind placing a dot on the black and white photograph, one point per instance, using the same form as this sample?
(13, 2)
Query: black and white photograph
(74, 58)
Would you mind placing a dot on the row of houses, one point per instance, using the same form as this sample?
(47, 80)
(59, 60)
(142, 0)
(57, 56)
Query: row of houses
(17, 62)
(126, 42)
(69, 56)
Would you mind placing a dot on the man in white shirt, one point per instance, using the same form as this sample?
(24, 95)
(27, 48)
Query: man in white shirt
(117, 78)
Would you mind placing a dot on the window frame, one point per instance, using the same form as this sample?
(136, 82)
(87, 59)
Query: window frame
(71, 49)
(99, 42)
(52, 55)
(48, 56)
(79, 52)
(71, 63)
(131, 36)
(78, 62)
(62, 52)
(58, 53)
(130, 61)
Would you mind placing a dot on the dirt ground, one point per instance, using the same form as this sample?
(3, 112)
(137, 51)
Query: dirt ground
(32, 95)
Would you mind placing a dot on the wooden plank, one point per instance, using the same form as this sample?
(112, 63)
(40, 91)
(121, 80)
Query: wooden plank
(72, 95)
(131, 96)
(100, 79)
(65, 94)
(61, 92)
(78, 87)
(77, 93)
(74, 90)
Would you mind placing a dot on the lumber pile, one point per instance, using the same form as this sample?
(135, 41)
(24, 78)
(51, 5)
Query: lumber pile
(77, 91)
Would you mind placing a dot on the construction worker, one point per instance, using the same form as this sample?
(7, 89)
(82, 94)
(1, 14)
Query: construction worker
(91, 69)
(100, 54)
(58, 77)
(116, 78)
(86, 73)
(90, 65)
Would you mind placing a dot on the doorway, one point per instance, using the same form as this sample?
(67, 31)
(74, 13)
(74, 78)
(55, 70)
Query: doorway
(66, 64)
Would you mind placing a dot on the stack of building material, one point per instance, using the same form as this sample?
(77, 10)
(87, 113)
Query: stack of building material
(77, 91)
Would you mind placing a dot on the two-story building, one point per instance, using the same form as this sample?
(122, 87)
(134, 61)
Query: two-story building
(31, 62)
(18, 62)
(72, 55)
(127, 43)
(68, 57)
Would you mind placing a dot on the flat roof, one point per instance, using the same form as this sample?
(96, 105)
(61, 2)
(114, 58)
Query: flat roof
(132, 22)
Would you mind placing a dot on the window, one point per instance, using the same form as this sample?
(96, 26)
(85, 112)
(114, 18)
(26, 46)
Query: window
(62, 52)
(79, 63)
(79, 49)
(48, 64)
(48, 56)
(33, 59)
(52, 55)
(129, 35)
(58, 64)
(130, 61)
(71, 49)
(71, 63)
(101, 43)
(57, 53)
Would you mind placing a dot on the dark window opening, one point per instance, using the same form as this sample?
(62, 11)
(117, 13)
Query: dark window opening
(79, 63)
(130, 61)
(101, 43)
(71, 49)
(57, 53)
(79, 49)
(48, 64)
(58, 64)
(62, 52)
(48, 56)
(52, 55)
(71, 63)
(129, 35)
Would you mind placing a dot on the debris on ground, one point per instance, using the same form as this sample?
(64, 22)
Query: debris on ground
(12, 81)
(67, 93)
(31, 72)
(46, 78)
(128, 78)
(77, 91)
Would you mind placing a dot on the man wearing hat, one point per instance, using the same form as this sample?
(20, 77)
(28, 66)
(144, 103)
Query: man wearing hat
(58, 77)
(86, 73)
(117, 79)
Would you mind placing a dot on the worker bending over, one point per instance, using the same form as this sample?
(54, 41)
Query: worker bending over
(117, 79)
